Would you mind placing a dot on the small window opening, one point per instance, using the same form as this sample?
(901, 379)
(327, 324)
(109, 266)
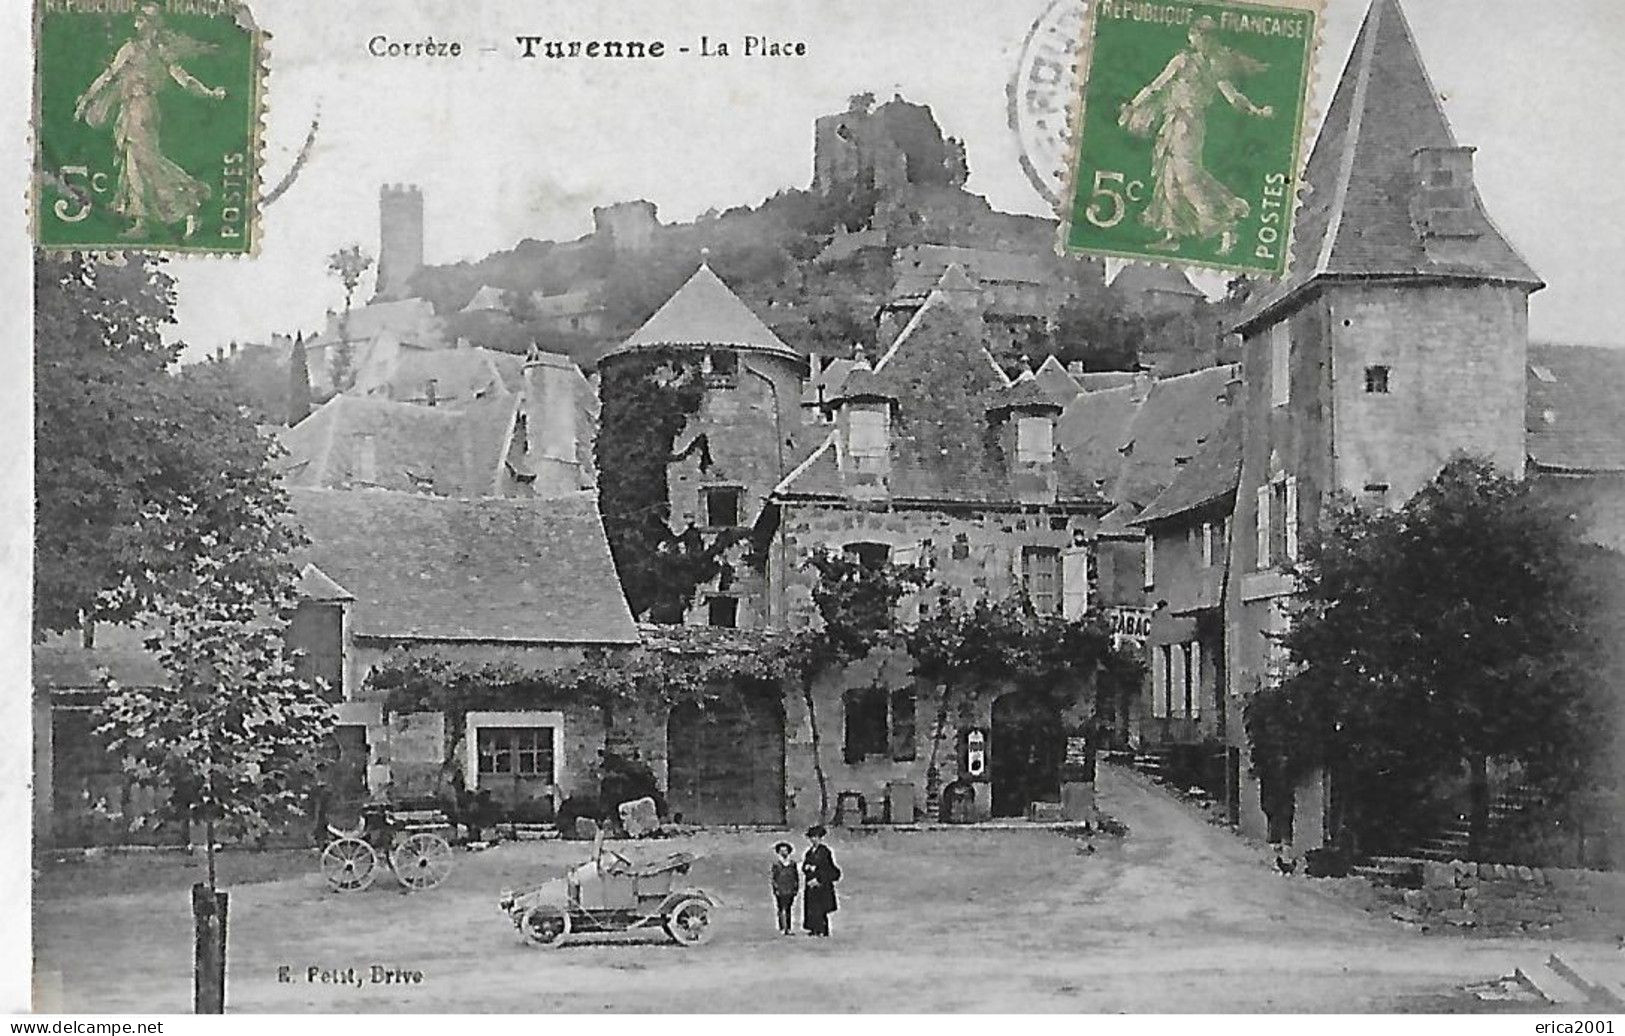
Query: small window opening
(1376, 381)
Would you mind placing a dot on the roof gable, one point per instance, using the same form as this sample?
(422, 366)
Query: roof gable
(526, 571)
(704, 312)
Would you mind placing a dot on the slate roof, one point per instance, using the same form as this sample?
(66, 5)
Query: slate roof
(60, 661)
(1096, 381)
(1356, 220)
(460, 375)
(705, 312)
(1129, 440)
(944, 382)
(1575, 411)
(524, 571)
(1141, 278)
(435, 450)
(1209, 477)
(919, 267)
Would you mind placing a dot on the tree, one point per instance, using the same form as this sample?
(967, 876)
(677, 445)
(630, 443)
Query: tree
(122, 438)
(232, 737)
(348, 264)
(298, 382)
(1473, 626)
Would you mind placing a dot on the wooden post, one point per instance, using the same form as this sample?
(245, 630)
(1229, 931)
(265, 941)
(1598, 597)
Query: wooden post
(209, 961)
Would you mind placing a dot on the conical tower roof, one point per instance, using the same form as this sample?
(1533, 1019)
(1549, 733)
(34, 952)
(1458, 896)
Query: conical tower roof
(1356, 217)
(704, 312)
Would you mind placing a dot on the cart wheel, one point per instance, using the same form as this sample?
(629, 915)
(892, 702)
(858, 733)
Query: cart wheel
(349, 864)
(421, 862)
(545, 926)
(689, 922)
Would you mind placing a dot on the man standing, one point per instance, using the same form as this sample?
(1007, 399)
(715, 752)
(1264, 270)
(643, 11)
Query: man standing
(818, 867)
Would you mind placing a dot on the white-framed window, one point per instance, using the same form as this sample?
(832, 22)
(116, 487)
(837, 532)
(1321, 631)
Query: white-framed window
(518, 744)
(869, 439)
(1280, 342)
(1150, 560)
(1035, 440)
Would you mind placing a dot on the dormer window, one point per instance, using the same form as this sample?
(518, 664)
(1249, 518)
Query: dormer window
(1035, 440)
(722, 368)
(869, 438)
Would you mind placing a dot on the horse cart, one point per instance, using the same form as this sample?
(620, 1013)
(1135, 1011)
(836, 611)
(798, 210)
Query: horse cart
(413, 842)
(610, 893)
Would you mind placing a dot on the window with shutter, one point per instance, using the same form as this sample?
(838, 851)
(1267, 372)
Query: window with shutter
(1150, 561)
(1191, 676)
(1196, 680)
(1040, 576)
(868, 439)
(1159, 682)
(1290, 519)
(1280, 364)
(1263, 520)
(1035, 440)
(1075, 582)
(902, 726)
(866, 731)
(1207, 544)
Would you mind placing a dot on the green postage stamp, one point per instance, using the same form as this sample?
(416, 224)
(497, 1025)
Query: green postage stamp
(1190, 131)
(147, 124)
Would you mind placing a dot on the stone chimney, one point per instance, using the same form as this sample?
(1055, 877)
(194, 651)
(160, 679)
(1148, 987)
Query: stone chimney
(1444, 211)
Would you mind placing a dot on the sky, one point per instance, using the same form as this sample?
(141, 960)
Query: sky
(505, 148)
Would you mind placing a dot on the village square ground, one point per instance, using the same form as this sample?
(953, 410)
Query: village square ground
(1179, 916)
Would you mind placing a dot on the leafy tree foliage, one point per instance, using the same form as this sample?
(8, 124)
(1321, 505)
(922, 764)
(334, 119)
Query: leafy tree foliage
(232, 737)
(349, 264)
(135, 461)
(1471, 626)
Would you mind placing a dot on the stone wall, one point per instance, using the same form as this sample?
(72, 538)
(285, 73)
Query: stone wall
(971, 554)
(1505, 899)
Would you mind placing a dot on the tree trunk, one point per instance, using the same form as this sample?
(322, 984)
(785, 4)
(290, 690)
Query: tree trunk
(209, 971)
(818, 761)
(1478, 817)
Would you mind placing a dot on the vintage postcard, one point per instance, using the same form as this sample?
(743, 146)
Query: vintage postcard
(733, 507)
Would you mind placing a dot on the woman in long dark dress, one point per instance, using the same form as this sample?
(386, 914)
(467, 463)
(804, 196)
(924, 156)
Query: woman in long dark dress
(818, 867)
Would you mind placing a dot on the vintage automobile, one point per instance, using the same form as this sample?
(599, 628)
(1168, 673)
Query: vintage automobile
(610, 893)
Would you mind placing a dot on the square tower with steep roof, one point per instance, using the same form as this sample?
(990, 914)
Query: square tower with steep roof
(1398, 338)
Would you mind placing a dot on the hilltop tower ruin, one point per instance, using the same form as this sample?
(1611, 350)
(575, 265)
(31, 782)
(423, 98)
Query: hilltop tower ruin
(400, 239)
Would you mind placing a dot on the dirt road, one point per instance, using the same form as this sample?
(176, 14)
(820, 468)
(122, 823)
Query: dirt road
(1179, 916)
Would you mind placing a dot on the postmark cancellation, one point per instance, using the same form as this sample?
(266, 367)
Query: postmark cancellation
(147, 125)
(1190, 131)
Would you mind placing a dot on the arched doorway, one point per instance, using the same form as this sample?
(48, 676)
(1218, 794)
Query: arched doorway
(725, 762)
(1025, 756)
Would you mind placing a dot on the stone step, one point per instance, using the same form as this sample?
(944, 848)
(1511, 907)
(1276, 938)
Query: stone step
(1550, 986)
(1601, 992)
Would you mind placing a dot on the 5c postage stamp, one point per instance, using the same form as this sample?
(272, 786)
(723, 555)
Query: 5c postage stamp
(1190, 132)
(146, 123)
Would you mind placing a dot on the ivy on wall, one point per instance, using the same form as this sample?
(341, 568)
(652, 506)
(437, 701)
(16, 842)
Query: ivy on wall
(647, 400)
